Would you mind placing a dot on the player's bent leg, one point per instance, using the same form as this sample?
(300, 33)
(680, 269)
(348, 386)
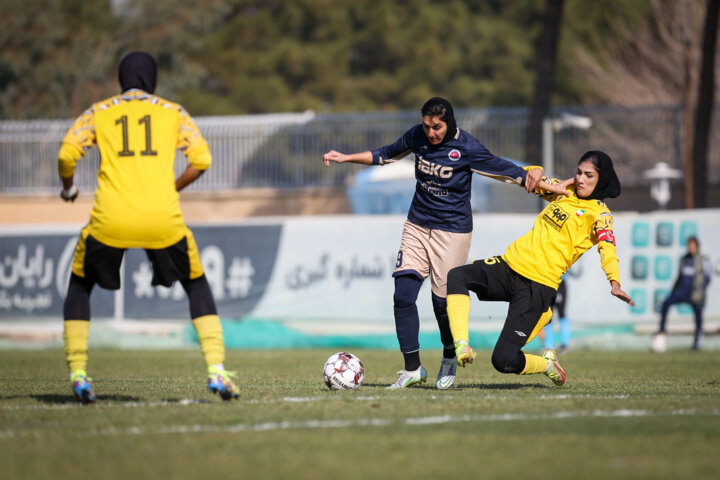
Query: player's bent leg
(507, 357)
(459, 283)
(458, 314)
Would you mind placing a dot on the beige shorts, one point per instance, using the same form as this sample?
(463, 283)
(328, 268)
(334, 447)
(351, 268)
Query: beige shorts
(425, 251)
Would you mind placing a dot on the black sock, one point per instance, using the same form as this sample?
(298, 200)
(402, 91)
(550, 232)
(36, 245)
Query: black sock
(412, 360)
(449, 352)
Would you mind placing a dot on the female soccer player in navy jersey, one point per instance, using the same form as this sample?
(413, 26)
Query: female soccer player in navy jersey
(436, 235)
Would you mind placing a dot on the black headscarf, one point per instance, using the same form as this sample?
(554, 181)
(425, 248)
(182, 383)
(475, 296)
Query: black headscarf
(608, 185)
(137, 70)
(439, 107)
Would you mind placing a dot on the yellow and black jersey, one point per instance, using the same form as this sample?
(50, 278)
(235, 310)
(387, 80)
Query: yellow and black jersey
(564, 230)
(136, 204)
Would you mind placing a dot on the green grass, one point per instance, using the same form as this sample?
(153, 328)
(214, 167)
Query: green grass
(620, 415)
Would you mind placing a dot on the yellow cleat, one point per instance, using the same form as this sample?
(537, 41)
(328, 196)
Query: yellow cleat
(555, 372)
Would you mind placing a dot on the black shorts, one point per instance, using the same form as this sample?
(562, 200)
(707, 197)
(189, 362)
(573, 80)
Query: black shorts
(561, 299)
(529, 300)
(100, 263)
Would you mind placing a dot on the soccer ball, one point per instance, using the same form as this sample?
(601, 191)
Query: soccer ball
(343, 371)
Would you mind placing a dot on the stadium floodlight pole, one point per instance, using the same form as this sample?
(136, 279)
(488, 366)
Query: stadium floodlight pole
(660, 176)
(550, 126)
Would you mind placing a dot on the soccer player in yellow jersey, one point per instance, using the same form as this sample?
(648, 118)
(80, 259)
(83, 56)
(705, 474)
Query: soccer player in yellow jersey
(137, 206)
(528, 274)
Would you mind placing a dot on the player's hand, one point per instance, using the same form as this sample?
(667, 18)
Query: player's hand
(566, 183)
(333, 156)
(557, 188)
(533, 179)
(70, 194)
(619, 293)
(464, 353)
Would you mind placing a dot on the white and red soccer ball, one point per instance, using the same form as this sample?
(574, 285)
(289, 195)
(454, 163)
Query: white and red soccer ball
(343, 371)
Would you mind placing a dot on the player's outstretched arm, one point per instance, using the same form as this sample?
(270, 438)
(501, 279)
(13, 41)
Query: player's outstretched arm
(619, 293)
(363, 158)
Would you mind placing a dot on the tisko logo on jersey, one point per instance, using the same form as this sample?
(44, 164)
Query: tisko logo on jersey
(434, 169)
(555, 216)
(606, 236)
(454, 154)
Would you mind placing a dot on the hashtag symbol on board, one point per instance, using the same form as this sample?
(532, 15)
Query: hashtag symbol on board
(240, 276)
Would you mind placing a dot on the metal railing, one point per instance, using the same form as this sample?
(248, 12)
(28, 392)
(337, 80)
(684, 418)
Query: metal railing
(284, 150)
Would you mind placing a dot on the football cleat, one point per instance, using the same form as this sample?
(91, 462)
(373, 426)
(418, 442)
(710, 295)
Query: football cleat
(555, 372)
(464, 353)
(220, 382)
(82, 388)
(446, 375)
(408, 378)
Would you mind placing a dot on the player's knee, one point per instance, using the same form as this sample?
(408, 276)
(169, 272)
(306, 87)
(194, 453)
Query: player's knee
(200, 296)
(77, 300)
(507, 357)
(406, 291)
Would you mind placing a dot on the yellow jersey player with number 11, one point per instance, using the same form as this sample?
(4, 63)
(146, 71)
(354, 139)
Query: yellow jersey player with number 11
(137, 205)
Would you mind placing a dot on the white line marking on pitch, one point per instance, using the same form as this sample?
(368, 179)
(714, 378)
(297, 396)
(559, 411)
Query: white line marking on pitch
(368, 422)
(323, 398)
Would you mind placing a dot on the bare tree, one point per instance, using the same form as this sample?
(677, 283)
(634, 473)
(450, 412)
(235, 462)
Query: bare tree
(705, 103)
(544, 79)
(644, 64)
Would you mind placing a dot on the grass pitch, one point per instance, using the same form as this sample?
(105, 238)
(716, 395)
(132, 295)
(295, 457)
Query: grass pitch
(620, 415)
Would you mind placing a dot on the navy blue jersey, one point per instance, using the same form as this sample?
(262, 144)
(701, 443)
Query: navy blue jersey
(444, 176)
(684, 283)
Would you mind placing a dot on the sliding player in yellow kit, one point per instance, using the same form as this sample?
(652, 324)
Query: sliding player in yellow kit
(528, 274)
(137, 206)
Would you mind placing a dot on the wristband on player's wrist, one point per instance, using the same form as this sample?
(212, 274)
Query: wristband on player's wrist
(70, 192)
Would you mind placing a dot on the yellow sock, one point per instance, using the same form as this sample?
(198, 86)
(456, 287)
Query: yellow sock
(75, 338)
(458, 310)
(210, 334)
(534, 364)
